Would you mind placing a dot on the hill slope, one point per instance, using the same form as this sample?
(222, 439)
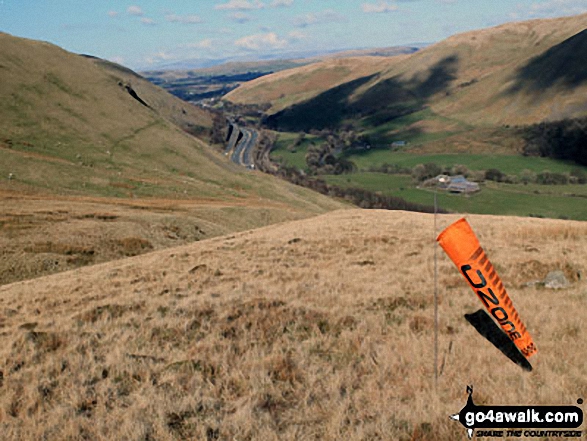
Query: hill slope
(82, 139)
(315, 329)
(517, 73)
(296, 85)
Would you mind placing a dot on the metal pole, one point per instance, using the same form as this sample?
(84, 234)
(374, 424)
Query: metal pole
(435, 298)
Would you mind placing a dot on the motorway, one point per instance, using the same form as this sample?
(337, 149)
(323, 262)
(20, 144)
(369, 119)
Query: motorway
(243, 153)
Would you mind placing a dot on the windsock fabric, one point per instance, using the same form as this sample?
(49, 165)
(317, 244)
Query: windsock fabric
(462, 246)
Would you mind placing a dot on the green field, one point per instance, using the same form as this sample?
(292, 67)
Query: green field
(295, 158)
(511, 165)
(553, 201)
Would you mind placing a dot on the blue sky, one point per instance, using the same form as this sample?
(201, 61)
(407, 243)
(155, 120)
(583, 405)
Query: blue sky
(146, 33)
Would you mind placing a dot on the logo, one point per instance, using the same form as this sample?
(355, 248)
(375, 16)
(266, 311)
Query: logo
(518, 419)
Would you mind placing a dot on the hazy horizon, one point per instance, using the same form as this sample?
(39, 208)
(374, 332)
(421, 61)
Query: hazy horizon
(142, 34)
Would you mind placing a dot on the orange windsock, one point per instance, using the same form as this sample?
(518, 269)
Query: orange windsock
(462, 246)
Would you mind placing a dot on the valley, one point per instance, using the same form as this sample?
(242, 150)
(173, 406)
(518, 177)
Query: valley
(462, 104)
(258, 259)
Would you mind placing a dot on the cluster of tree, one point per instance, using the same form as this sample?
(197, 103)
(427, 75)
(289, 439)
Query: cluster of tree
(219, 128)
(390, 169)
(496, 175)
(265, 143)
(251, 110)
(328, 157)
(193, 94)
(236, 78)
(360, 197)
(576, 176)
(566, 139)
(423, 172)
(322, 159)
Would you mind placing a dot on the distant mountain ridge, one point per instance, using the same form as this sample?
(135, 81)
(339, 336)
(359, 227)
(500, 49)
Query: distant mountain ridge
(295, 58)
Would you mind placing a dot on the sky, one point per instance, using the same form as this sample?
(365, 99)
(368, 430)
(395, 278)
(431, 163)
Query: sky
(145, 34)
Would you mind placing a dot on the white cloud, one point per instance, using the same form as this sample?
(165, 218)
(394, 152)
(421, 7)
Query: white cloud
(185, 19)
(159, 56)
(112, 13)
(558, 7)
(207, 43)
(327, 16)
(549, 8)
(240, 17)
(379, 7)
(148, 21)
(261, 41)
(297, 35)
(135, 10)
(240, 5)
(281, 3)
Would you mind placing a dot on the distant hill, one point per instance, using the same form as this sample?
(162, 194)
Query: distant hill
(219, 80)
(513, 74)
(195, 68)
(293, 86)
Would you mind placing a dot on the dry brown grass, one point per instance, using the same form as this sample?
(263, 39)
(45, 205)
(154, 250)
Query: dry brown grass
(314, 329)
(45, 234)
(291, 86)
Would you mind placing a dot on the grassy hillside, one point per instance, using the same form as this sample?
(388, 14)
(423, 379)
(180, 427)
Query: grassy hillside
(292, 86)
(317, 329)
(468, 100)
(514, 74)
(82, 130)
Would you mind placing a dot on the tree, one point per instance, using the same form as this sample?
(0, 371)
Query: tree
(301, 137)
(314, 157)
(527, 176)
(580, 175)
(550, 178)
(494, 174)
(565, 139)
(459, 169)
(219, 126)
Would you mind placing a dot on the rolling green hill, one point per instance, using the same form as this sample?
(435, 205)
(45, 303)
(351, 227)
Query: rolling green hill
(71, 124)
(96, 164)
(514, 74)
(469, 101)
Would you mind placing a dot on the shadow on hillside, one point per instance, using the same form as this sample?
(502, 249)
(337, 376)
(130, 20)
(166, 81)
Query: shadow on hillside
(325, 110)
(563, 65)
(382, 102)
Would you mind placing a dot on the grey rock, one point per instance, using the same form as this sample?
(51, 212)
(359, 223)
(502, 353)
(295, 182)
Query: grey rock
(533, 283)
(556, 280)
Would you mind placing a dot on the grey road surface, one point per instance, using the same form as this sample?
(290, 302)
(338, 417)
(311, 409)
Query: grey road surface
(242, 154)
